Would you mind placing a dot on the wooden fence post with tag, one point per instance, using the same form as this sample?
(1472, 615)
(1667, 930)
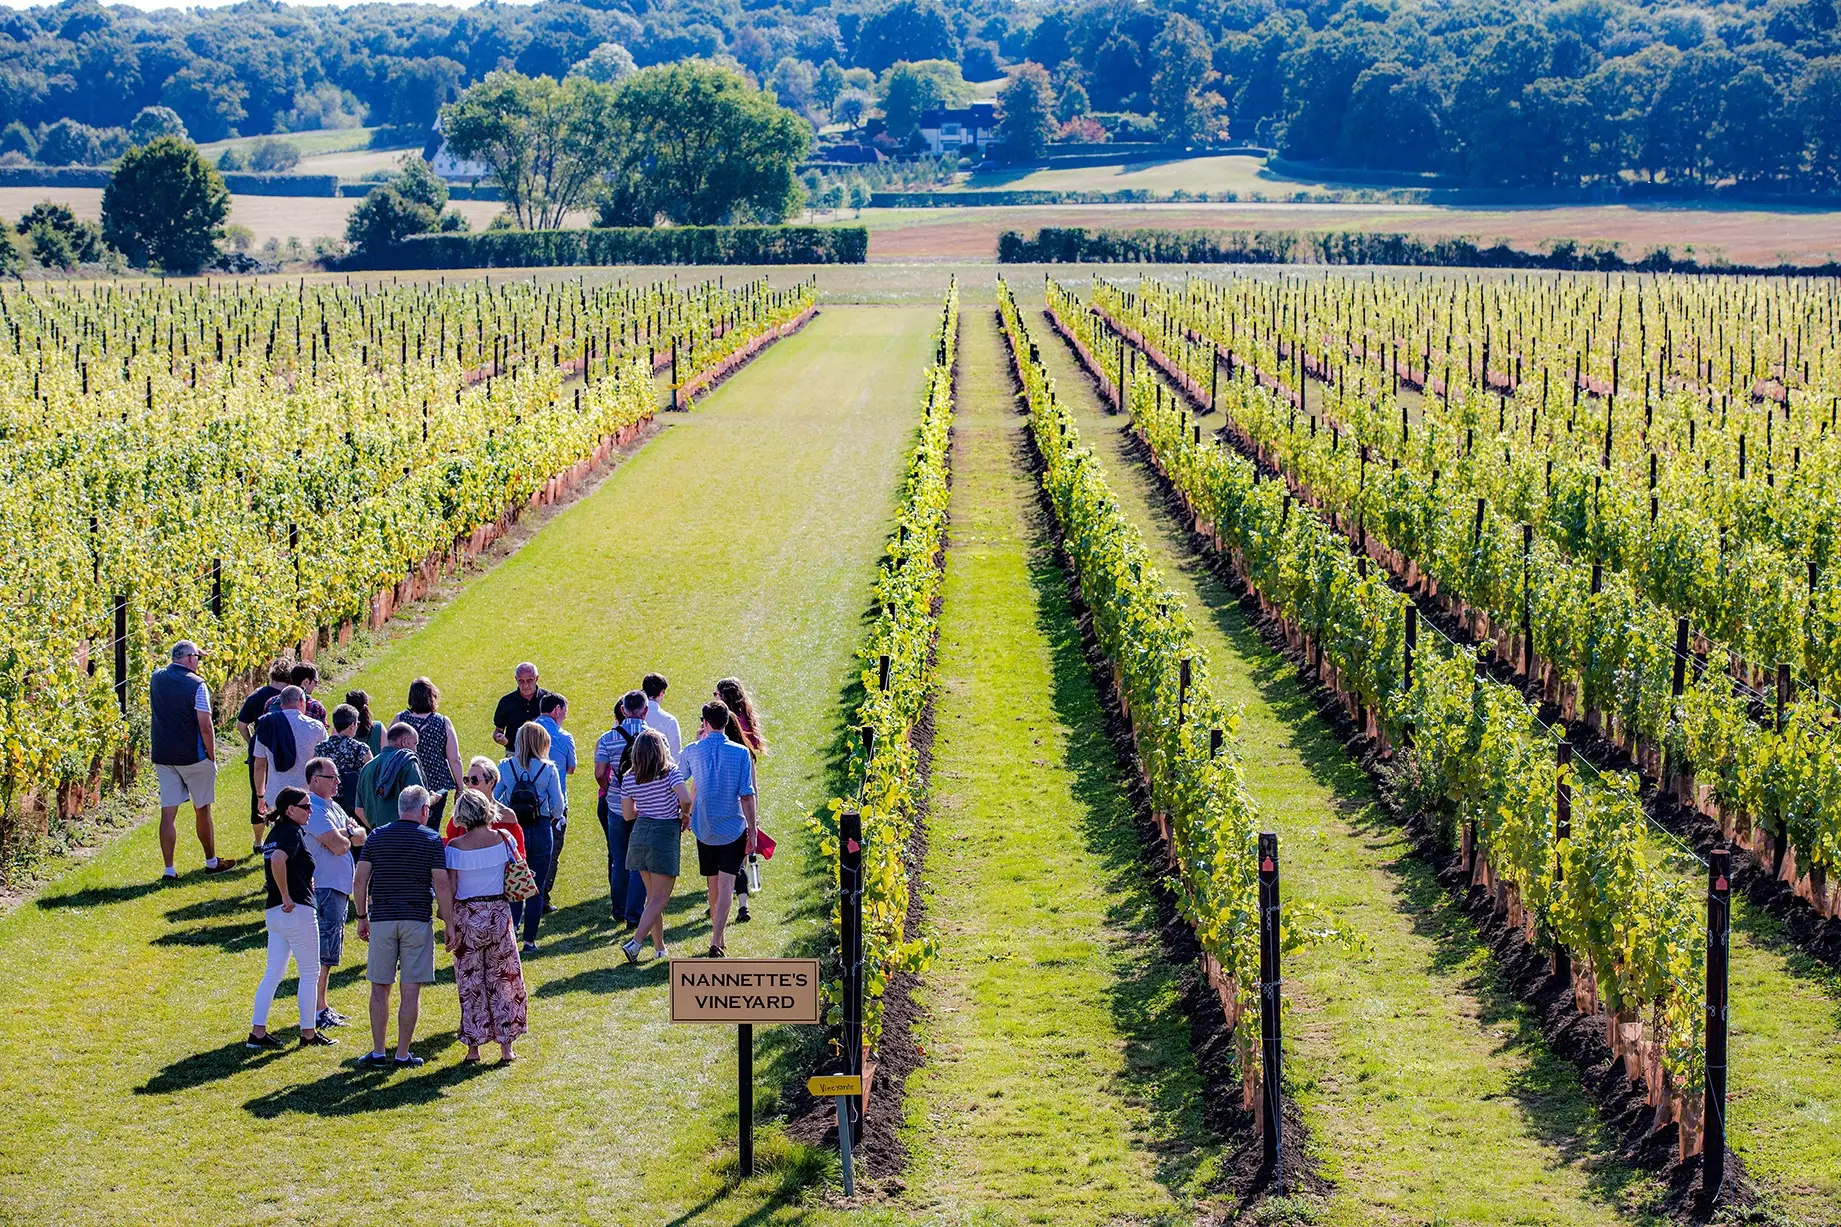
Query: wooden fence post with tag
(1719, 937)
(1269, 1006)
(850, 896)
(121, 653)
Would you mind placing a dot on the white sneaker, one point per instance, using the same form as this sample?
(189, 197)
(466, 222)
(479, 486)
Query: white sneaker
(631, 950)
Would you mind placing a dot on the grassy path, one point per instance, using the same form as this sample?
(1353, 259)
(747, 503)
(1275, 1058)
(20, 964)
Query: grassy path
(1059, 1086)
(742, 540)
(1784, 1109)
(1431, 1093)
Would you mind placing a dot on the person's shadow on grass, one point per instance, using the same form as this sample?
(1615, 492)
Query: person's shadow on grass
(202, 1068)
(353, 1090)
(101, 896)
(229, 937)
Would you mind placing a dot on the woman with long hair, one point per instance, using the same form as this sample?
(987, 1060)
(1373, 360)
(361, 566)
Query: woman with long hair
(747, 716)
(486, 968)
(656, 804)
(532, 786)
(744, 729)
(370, 732)
(437, 745)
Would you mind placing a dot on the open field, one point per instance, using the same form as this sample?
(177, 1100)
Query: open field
(354, 164)
(278, 217)
(1241, 173)
(1743, 235)
(319, 141)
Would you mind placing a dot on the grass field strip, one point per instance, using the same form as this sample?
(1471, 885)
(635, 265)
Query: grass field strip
(170, 456)
(1059, 1083)
(1795, 1076)
(883, 781)
(1198, 794)
(1429, 1090)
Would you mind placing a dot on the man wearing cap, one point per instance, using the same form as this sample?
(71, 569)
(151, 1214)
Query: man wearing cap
(185, 753)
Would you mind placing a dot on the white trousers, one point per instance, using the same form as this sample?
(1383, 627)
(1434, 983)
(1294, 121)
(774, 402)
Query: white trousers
(296, 933)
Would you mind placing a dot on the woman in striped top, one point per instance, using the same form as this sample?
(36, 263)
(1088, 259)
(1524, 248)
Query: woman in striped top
(653, 798)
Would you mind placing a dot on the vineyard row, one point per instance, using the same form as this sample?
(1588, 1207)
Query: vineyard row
(1568, 855)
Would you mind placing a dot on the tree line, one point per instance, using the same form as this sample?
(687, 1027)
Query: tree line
(1554, 92)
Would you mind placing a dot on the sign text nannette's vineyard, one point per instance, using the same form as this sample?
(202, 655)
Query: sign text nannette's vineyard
(744, 991)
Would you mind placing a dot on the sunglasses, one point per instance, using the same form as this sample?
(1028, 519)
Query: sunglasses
(476, 779)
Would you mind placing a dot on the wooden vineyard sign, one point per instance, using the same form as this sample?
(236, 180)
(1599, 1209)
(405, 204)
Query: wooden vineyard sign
(766, 991)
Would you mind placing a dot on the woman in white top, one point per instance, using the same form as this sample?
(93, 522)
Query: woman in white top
(486, 967)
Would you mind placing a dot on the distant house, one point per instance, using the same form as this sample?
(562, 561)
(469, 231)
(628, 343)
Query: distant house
(957, 129)
(450, 168)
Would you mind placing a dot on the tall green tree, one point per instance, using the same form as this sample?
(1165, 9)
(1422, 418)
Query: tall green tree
(910, 87)
(1818, 105)
(700, 146)
(408, 204)
(165, 206)
(1025, 114)
(544, 143)
(828, 84)
(906, 30)
(156, 121)
(1186, 112)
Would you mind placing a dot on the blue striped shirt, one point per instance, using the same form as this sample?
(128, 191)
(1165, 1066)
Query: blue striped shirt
(722, 773)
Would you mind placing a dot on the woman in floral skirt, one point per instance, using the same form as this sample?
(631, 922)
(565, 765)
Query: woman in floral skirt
(486, 966)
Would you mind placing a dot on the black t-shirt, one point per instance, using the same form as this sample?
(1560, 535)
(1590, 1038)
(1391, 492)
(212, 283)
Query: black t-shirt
(288, 836)
(514, 711)
(403, 857)
(252, 710)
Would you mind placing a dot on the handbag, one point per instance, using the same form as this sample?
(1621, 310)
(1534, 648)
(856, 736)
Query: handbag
(520, 882)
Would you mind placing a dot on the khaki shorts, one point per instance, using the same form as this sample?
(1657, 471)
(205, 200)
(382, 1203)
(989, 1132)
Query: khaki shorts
(196, 782)
(408, 944)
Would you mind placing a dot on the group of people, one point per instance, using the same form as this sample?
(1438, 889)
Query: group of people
(387, 827)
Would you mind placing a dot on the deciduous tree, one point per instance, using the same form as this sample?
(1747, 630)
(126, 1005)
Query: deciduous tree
(1025, 114)
(906, 30)
(1186, 111)
(910, 87)
(700, 146)
(546, 144)
(165, 206)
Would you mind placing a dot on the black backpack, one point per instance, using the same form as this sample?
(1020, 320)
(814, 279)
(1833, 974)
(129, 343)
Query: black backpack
(625, 752)
(524, 800)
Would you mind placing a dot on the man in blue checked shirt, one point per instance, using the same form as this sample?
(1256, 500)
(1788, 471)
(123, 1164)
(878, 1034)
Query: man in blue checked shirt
(720, 773)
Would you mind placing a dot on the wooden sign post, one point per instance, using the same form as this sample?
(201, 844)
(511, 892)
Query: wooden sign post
(745, 992)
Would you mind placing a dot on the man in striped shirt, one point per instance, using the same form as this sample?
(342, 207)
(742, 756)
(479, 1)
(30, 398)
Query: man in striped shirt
(625, 889)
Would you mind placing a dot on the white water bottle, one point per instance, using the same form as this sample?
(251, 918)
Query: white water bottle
(754, 873)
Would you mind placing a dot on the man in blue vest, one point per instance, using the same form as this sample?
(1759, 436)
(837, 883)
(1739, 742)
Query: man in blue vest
(185, 753)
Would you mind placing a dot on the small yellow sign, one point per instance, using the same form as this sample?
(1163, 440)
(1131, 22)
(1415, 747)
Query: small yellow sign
(835, 1085)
